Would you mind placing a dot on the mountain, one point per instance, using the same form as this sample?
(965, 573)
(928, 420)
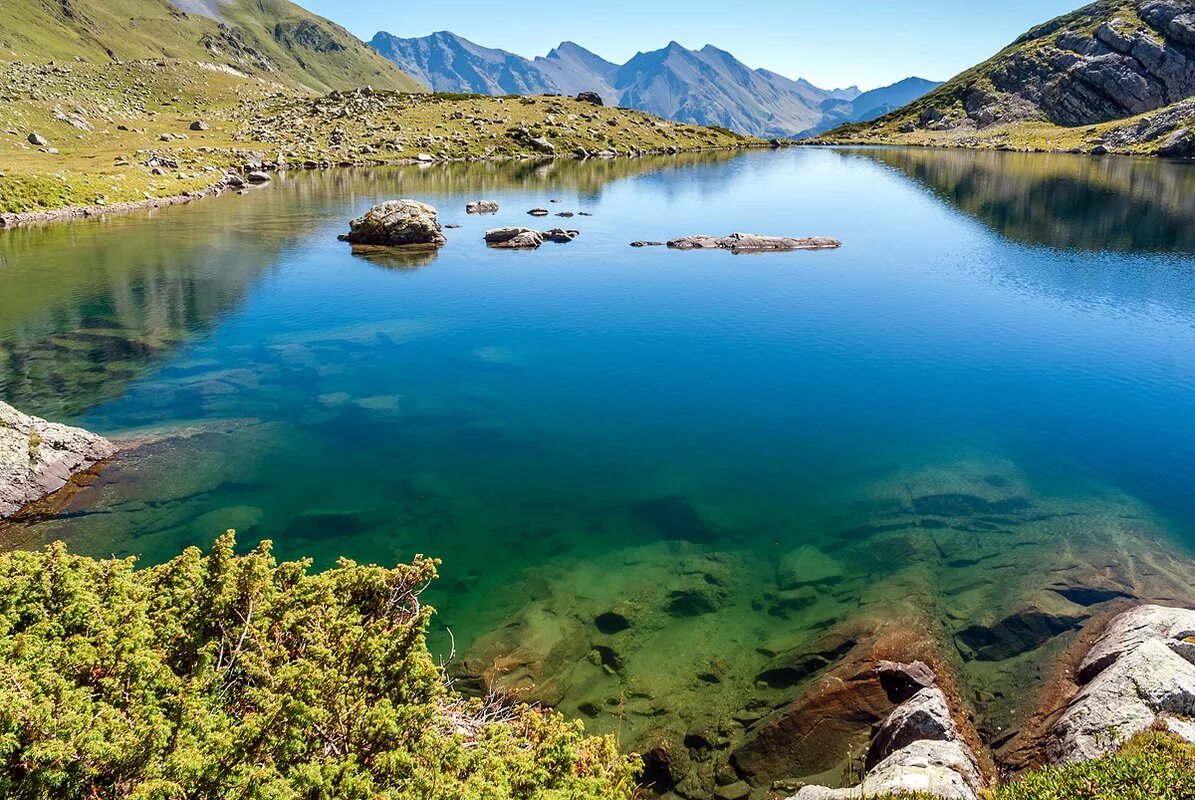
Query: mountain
(871, 105)
(1114, 60)
(272, 39)
(703, 87)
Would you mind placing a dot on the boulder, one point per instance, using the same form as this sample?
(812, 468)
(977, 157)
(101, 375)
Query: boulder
(903, 681)
(396, 223)
(753, 243)
(560, 235)
(257, 176)
(542, 145)
(482, 207)
(234, 180)
(200, 125)
(647, 244)
(591, 97)
(1139, 673)
(924, 716)
(37, 140)
(514, 238)
(37, 458)
(539, 212)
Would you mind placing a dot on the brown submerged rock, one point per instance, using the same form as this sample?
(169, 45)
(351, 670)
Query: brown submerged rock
(38, 458)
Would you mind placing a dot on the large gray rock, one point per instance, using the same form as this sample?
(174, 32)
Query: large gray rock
(37, 458)
(938, 769)
(754, 243)
(917, 749)
(482, 207)
(514, 238)
(1140, 672)
(397, 222)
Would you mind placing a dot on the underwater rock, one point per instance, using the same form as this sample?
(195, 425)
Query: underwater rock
(397, 223)
(807, 566)
(1140, 672)
(1023, 631)
(38, 458)
(754, 243)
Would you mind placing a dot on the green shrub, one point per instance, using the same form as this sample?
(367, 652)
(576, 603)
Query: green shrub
(226, 676)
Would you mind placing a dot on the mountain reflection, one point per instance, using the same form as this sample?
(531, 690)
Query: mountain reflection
(1060, 201)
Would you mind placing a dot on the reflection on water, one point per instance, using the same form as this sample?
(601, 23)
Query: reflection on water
(1121, 204)
(627, 454)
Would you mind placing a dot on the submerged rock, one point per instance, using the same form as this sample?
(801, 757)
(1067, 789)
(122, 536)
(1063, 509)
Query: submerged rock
(754, 243)
(37, 458)
(1139, 673)
(397, 222)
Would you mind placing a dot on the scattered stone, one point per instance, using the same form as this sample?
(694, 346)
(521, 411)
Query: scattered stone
(1139, 673)
(542, 145)
(514, 238)
(200, 125)
(234, 180)
(753, 243)
(257, 176)
(538, 212)
(647, 244)
(37, 458)
(424, 158)
(482, 207)
(560, 235)
(397, 223)
(37, 140)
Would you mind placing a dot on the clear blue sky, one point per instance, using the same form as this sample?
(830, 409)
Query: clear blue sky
(838, 43)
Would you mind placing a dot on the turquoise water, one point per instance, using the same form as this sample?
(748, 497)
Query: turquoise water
(553, 418)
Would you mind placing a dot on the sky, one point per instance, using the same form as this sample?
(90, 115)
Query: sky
(832, 44)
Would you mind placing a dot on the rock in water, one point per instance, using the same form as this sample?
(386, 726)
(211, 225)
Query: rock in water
(539, 212)
(257, 176)
(754, 243)
(560, 235)
(514, 238)
(37, 458)
(482, 207)
(396, 223)
(1140, 672)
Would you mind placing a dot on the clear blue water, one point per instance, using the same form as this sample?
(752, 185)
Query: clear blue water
(515, 412)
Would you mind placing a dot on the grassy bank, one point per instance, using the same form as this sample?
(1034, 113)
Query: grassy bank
(122, 132)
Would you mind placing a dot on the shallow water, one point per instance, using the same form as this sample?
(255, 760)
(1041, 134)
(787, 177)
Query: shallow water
(1000, 332)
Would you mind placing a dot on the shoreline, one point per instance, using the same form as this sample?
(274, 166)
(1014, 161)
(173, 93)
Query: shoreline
(25, 219)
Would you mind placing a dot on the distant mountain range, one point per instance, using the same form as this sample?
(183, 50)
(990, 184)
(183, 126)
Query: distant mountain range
(703, 87)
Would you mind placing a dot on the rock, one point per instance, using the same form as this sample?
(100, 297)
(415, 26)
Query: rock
(514, 238)
(257, 176)
(560, 235)
(482, 207)
(542, 145)
(424, 158)
(37, 458)
(397, 223)
(37, 140)
(936, 769)
(647, 244)
(1140, 672)
(753, 243)
(200, 125)
(234, 180)
(539, 212)
(1180, 144)
(591, 97)
(925, 715)
(903, 681)
(807, 566)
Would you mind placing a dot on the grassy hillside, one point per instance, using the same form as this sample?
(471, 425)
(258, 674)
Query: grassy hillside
(272, 39)
(1109, 77)
(120, 132)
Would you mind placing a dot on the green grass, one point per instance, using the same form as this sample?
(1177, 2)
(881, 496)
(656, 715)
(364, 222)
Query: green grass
(1153, 766)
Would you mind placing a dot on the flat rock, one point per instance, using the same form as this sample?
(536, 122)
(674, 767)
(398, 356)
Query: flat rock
(37, 458)
(514, 238)
(934, 768)
(754, 243)
(539, 212)
(397, 223)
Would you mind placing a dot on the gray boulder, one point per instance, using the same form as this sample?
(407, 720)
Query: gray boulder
(925, 716)
(396, 223)
(560, 235)
(591, 97)
(1139, 673)
(482, 207)
(37, 458)
(754, 243)
(257, 176)
(514, 238)
(37, 140)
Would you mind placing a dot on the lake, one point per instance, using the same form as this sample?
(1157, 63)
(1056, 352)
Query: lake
(620, 453)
